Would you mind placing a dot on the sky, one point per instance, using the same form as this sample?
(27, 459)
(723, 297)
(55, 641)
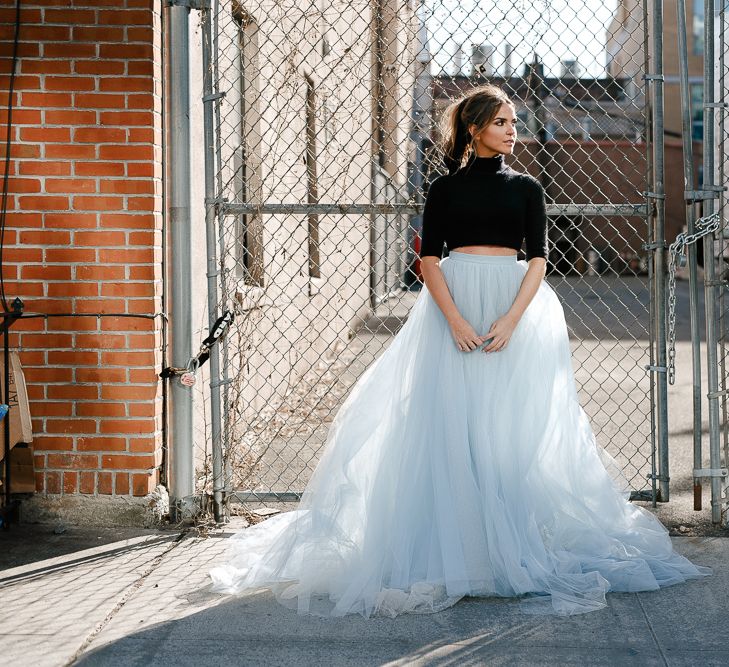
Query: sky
(556, 29)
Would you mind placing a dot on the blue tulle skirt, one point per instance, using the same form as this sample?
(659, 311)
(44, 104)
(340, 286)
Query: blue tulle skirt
(448, 474)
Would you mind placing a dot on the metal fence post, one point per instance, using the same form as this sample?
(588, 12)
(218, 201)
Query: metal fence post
(209, 99)
(710, 267)
(660, 254)
(181, 451)
(688, 167)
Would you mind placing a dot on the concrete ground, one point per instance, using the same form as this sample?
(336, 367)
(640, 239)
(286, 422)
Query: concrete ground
(94, 596)
(144, 600)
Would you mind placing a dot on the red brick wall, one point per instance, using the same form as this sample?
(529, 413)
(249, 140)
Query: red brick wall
(84, 235)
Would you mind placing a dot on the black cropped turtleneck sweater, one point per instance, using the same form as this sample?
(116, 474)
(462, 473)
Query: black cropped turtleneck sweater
(485, 202)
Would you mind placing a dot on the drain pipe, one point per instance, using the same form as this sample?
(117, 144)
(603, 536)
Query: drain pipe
(180, 273)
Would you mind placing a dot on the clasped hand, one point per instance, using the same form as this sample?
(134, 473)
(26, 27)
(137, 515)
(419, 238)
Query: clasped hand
(467, 339)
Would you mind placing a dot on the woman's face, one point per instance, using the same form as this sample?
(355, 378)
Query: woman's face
(498, 136)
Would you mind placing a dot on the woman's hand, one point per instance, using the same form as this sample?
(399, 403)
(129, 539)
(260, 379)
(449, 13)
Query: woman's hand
(465, 335)
(500, 332)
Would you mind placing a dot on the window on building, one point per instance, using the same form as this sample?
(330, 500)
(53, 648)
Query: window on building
(247, 158)
(697, 111)
(697, 27)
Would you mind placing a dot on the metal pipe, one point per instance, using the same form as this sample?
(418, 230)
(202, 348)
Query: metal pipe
(647, 114)
(660, 255)
(688, 170)
(212, 264)
(709, 266)
(180, 276)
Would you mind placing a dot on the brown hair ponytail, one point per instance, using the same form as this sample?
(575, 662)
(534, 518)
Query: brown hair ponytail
(478, 108)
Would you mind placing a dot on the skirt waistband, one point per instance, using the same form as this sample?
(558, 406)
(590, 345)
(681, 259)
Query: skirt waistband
(482, 259)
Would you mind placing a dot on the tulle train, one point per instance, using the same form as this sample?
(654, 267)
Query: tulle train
(447, 474)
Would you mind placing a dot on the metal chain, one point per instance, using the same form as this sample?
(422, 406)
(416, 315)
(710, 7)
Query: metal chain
(676, 253)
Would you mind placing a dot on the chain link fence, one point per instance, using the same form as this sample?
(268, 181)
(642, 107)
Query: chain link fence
(325, 140)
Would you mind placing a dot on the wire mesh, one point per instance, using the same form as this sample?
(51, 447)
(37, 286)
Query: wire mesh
(326, 140)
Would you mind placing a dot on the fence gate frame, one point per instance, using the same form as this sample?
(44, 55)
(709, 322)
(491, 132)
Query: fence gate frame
(218, 208)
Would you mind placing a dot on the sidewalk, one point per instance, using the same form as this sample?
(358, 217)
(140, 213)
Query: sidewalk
(144, 600)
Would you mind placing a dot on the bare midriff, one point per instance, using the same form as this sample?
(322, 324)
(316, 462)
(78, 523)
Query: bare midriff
(486, 250)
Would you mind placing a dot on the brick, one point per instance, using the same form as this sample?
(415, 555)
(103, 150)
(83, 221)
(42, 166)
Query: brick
(22, 82)
(45, 168)
(26, 16)
(70, 255)
(126, 152)
(73, 461)
(110, 306)
(144, 392)
(121, 483)
(127, 461)
(40, 481)
(101, 410)
(70, 185)
(141, 101)
(126, 256)
(70, 16)
(96, 135)
(127, 118)
(101, 375)
(128, 426)
(128, 324)
(97, 203)
(23, 185)
(46, 272)
(53, 482)
(97, 34)
(100, 238)
(143, 375)
(47, 409)
(141, 68)
(142, 273)
(147, 409)
(23, 116)
(22, 255)
(73, 358)
(46, 66)
(126, 84)
(24, 288)
(128, 289)
(144, 306)
(36, 392)
(76, 426)
(117, 358)
(43, 203)
(70, 83)
(125, 17)
(101, 444)
(70, 481)
(31, 99)
(101, 341)
(145, 35)
(69, 117)
(103, 67)
(133, 187)
(144, 170)
(46, 340)
(70, 151)
(45, 374)
(44, 33)
(45, 134)
(125, 51)
(73, 392)
(99, 271)
(70, 50)
(87, 482)
(126, 220)
(29, 220)
(104, 483)
(148, 445)
(99, 101)
(72, 289)
(71, 324)
(99, 168)
(143, 484)
(24, 151)
(70, 220)
(45, 238)
(43, 443)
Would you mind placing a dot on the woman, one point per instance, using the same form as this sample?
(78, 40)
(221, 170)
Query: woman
(461, 463)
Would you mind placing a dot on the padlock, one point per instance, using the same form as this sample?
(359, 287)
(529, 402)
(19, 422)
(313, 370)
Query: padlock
(681, 260)
(187, 379)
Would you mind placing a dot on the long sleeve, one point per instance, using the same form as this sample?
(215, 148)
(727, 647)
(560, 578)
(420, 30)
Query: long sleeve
(536, 221)
(433, 234)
